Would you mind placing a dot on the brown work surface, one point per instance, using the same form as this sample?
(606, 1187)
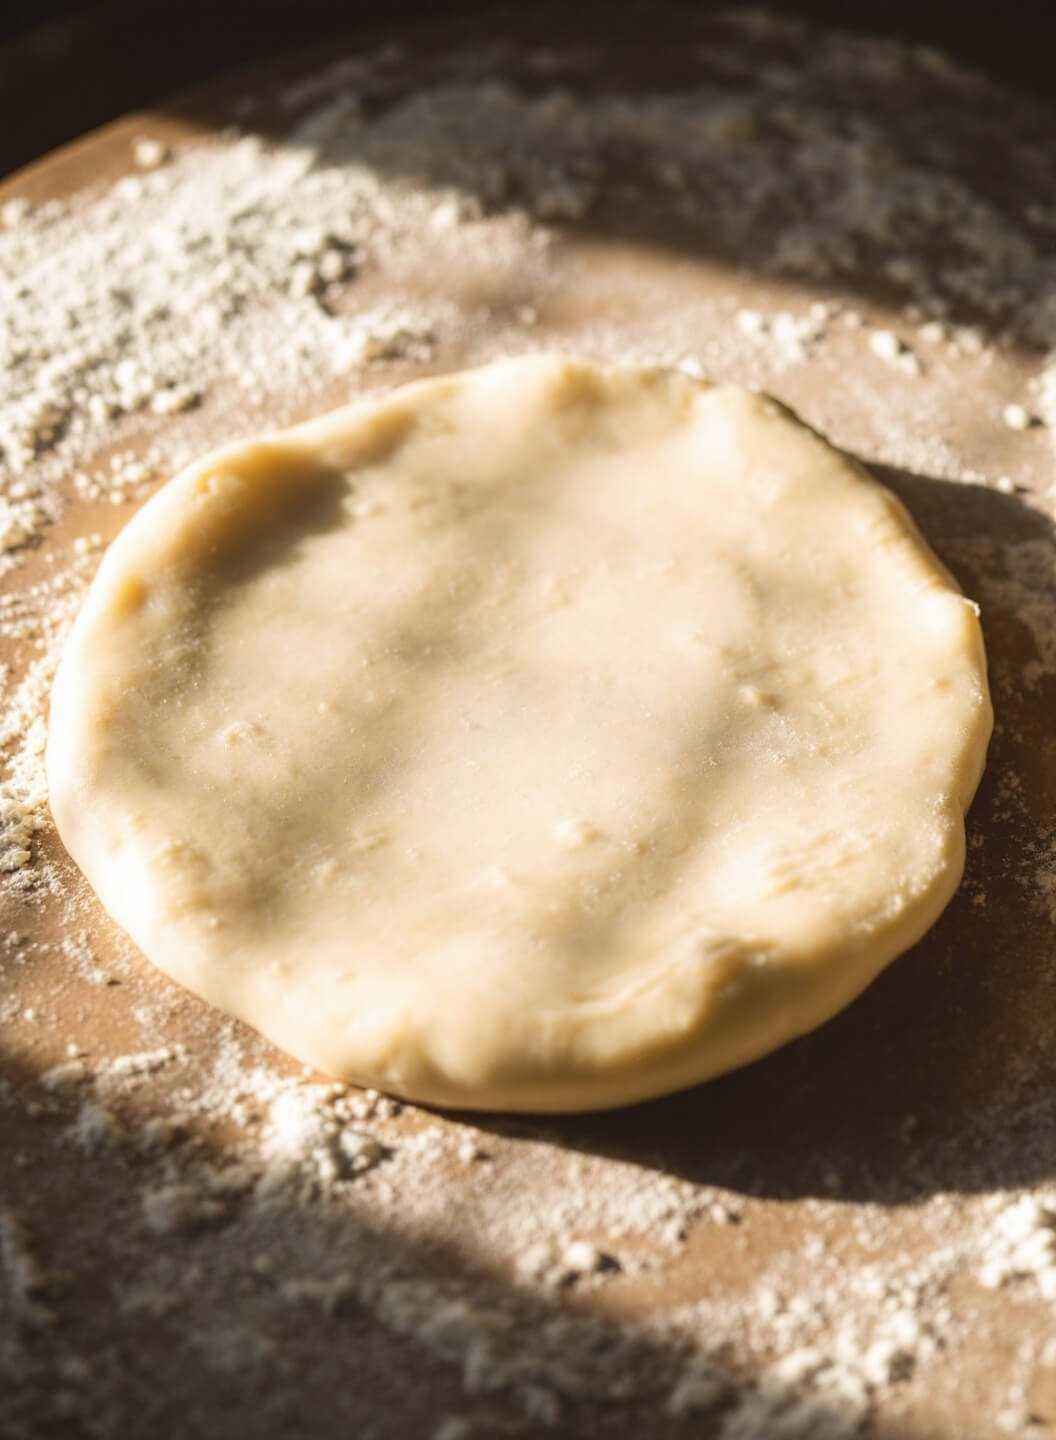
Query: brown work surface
(854, 1236)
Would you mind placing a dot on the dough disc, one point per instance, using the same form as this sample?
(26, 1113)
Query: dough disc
(545, 737)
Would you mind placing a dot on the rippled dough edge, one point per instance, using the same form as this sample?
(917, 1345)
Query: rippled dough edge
(769, 927)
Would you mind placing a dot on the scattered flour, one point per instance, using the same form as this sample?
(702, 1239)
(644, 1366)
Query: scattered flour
(1020, 1248)
(22, 1275)
(310, 1141)
(224, 285)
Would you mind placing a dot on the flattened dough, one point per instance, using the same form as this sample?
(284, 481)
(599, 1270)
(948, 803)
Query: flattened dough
(544, 737)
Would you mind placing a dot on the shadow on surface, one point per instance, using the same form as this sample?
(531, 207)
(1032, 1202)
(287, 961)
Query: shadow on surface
(96, 59)
(146, 1293)
(781, 152)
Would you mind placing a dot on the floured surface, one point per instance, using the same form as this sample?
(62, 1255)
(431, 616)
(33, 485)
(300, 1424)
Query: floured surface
(814, 1246)
(544, 737)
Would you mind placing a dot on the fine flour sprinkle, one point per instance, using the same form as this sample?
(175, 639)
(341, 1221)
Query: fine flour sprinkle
(857, 226)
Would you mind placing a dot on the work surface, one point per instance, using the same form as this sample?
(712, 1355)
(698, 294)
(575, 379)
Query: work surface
(856, 1236)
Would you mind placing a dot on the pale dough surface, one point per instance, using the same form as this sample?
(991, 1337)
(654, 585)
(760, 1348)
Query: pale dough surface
(544, 737)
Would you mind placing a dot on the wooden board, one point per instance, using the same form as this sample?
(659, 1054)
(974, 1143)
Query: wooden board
(817, 1227)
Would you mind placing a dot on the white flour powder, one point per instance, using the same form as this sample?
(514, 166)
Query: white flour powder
(223, 286)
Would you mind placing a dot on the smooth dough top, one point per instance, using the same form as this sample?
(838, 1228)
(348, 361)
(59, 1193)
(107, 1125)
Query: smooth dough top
(544, 737)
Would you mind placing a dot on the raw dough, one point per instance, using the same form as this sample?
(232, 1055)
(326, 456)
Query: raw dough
(545, 737)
